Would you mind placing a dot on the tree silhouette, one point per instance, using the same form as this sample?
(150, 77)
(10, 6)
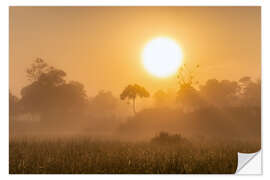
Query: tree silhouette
(160, 97)
(103, 103)
(250, 91)
(188, 96)
(50, 96)
(132, 91)
(220, 93)
(186, 76)
(38, 67)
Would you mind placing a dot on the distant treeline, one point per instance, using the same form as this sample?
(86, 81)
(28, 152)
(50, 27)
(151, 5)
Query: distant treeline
(221, 108)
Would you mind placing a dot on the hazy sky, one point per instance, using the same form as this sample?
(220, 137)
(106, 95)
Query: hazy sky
(101, 47)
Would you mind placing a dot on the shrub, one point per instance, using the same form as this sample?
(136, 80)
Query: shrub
(166, 138)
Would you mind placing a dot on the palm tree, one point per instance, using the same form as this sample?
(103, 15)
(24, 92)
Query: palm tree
(132, 91)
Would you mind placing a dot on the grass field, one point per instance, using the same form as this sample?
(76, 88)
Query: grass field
(85, 156)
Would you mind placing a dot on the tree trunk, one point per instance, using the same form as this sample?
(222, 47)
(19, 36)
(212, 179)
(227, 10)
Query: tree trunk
(134, 106)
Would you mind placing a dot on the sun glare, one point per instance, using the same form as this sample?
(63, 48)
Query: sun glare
(162, 57)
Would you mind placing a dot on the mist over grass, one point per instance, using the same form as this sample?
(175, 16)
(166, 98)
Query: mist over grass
(56, 128)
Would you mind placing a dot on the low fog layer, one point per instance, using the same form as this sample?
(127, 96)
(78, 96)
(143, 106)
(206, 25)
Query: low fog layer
(51, 106)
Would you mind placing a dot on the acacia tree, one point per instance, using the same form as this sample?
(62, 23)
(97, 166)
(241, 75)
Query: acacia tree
(131, 92)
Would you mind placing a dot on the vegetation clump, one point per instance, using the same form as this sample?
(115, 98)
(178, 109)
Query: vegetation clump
(164, 138)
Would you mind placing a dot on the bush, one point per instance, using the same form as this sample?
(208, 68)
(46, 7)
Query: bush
(166, 138)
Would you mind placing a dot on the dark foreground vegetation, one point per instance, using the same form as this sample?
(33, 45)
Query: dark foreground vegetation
(164, 154)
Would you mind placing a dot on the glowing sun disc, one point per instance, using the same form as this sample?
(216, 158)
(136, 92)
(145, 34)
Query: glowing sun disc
(162, 57)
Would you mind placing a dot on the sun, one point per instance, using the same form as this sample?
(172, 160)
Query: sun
(162, 57)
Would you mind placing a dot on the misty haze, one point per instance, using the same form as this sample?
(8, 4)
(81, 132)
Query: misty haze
(98, 90)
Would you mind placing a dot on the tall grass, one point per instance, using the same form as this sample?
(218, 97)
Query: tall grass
(85, 156)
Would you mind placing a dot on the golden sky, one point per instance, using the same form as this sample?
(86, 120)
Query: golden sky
(101, 47)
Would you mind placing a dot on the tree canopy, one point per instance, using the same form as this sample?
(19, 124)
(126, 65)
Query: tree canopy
(49, 94)
(131, 92)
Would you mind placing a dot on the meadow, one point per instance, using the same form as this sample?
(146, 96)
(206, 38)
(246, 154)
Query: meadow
(80, 155)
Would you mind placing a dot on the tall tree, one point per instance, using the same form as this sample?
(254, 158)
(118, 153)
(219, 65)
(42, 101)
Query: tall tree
(188, 96)
(131, 92)
(50, 96)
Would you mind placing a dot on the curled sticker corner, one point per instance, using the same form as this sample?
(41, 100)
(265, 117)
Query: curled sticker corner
(244, 159)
